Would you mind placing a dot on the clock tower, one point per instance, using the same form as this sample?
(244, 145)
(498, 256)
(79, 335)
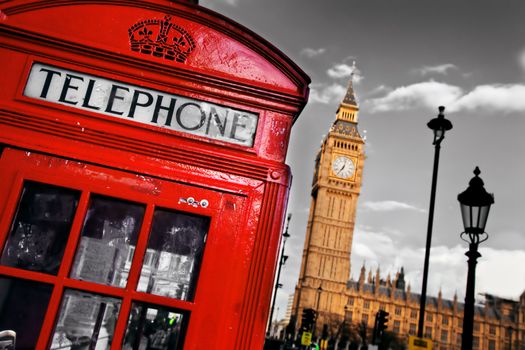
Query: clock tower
(325, 267)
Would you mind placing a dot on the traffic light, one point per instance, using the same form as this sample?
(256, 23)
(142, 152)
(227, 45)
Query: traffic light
(311, 316)
(379, 326)
(304, 319)
(308, 318)
(382, 320)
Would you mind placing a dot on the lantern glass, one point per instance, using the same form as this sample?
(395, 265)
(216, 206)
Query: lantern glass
(474, 218)
(466, 215)
(483, 215)
(439, 134)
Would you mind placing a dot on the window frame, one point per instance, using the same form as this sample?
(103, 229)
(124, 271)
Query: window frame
(10, 195)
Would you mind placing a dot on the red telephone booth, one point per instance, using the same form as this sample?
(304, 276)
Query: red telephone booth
(142, 175)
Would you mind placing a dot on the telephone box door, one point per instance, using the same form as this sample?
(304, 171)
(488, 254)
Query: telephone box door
(97, 258)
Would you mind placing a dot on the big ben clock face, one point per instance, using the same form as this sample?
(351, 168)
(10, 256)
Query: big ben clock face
(343, 167)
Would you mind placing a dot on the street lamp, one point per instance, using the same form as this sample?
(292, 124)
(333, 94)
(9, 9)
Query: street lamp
(278, 285)
(439, 126)
(341, 330)
(319, 290)
(475, 204)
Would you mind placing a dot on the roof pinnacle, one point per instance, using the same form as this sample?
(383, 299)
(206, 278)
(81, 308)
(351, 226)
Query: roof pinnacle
(349, 98)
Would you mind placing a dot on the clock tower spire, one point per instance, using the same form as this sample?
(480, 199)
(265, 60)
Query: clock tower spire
(325, 267)
(349, 99)
(348, 107)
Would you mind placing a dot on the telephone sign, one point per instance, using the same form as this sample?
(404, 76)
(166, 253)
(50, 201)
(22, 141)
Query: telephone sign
(142, 105)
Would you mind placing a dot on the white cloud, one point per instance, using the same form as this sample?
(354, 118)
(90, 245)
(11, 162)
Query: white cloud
(390, 206)
(425, 94)
(371, 246)
(327, 93)
(439, 69)
(340, 70)
(501, 272)
(343, 70)
(447, 269)
(309, 52)
(364, 252)
(358, 77)
(334, 92)
(504, 98)
(499, 98)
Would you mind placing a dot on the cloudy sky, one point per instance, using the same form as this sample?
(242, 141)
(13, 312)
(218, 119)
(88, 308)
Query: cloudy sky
(412, 57)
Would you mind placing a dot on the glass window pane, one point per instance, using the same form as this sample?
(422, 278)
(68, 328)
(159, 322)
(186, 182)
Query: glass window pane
(23, 305)
(483, 215)
(108, 237)
(174, 253)
(41, 228)
(465, 214)
(475, 216)
(86, 321)
(154, 327)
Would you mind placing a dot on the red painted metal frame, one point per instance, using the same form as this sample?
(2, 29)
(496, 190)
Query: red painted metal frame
(18, 166)
(55, 144)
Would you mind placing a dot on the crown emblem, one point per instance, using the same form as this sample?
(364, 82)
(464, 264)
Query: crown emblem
(161, 38)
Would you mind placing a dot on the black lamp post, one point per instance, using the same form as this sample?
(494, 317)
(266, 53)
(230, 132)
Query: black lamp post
(278, 285)
(439, 126)
(319, 290)
(341, 330)
(475, 204)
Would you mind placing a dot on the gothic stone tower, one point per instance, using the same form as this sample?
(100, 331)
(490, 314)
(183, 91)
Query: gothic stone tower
(325, 267)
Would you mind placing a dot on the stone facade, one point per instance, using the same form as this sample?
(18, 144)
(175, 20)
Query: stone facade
(499, 324)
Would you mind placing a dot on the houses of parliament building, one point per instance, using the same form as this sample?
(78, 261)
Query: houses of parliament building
(323, 283)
